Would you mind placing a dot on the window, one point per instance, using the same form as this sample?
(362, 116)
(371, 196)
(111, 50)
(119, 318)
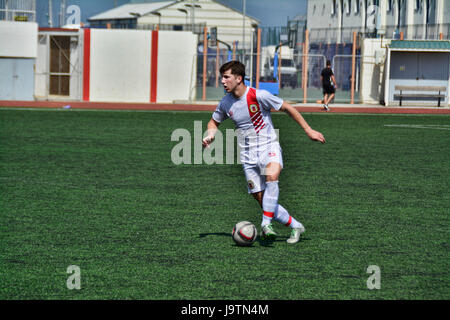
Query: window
(432, 12)
(287, 63)
(389, 5)
(357, 4)
(349, 6)
(418, 5)
(333, 8)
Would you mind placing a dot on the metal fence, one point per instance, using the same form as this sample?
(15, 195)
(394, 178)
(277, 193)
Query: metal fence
(273, 35)
(409, 32)
(324, 44)
(18, 10)
(196, 28)
(420, 32)
(286, 81)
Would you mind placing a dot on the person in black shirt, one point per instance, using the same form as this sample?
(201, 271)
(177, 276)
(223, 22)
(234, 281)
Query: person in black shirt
(328, 84)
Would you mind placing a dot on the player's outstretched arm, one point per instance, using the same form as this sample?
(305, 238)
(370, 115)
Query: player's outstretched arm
(312, 134)
(212, 128)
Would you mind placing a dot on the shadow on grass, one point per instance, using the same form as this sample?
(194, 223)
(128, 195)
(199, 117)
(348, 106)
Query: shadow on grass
(220, 234)
(262, 242)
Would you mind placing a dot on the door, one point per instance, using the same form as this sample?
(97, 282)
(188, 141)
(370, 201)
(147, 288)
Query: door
(60, 65)
(432, 66)
(16, 79)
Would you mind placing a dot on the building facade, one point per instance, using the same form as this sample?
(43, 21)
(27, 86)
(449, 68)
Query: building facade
(232, 26)
(335, 20)
(18, 49)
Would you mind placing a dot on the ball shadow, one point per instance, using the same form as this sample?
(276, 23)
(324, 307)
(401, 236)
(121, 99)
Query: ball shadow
(261, 242)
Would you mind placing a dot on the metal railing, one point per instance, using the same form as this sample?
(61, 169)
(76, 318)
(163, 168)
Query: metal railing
(18, 10)
(286, 82)
(198, 28)
(409, 32)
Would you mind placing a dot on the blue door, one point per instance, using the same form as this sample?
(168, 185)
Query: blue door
(16, 79)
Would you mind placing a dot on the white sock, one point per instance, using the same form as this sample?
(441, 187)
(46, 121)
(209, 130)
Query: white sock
(283, 216)
(269, 202)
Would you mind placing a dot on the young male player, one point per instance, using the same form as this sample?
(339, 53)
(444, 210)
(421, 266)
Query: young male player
(260, 150)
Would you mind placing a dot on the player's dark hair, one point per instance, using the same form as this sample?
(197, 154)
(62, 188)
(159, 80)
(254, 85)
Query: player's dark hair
(328, 63)
(236, 67)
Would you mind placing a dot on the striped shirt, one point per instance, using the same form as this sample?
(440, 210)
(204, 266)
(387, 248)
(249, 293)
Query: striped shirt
(251, 116)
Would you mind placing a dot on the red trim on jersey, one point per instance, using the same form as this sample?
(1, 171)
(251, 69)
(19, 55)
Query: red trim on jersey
(255, 110)
(268, 214)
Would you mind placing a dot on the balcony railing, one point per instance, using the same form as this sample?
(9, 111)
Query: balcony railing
(18, 10)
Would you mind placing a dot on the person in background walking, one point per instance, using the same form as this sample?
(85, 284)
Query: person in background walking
(328, 84)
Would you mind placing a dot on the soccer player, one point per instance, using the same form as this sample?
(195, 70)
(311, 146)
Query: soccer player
(260, 150)
(328, 85)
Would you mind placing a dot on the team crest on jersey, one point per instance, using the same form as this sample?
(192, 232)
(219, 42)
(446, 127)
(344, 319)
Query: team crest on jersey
(253, 108)
(251, 184)
(230, 113)
(272, 154)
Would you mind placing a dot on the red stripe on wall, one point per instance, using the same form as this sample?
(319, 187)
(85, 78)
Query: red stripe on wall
(86, 64)
(154, 67)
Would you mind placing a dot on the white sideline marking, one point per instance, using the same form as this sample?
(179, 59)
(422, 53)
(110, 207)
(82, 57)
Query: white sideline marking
(421, 126)
(210, 111)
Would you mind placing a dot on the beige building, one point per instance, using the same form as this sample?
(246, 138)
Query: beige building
(335, 20)
(232, 25)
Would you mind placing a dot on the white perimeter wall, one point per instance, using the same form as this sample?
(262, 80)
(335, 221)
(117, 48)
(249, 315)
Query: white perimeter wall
(177, 63)
(18, 39)
(121, 65)
(41, 68)
(373, 53)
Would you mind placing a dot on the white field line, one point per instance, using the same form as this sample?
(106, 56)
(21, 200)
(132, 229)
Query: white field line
(421, 126)
(56, 109)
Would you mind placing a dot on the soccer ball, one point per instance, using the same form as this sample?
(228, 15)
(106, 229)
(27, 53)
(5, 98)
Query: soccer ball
(244, 233)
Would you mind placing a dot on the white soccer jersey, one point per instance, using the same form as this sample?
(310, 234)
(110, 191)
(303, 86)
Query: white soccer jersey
(251, 116)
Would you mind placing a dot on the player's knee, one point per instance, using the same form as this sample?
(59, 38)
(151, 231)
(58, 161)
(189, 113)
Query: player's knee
(272, 172)
(272, 177)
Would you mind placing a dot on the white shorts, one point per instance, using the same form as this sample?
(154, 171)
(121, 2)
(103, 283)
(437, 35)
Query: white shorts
(255, 170)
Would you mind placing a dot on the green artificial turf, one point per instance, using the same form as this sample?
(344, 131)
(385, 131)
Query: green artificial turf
(98, 189)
